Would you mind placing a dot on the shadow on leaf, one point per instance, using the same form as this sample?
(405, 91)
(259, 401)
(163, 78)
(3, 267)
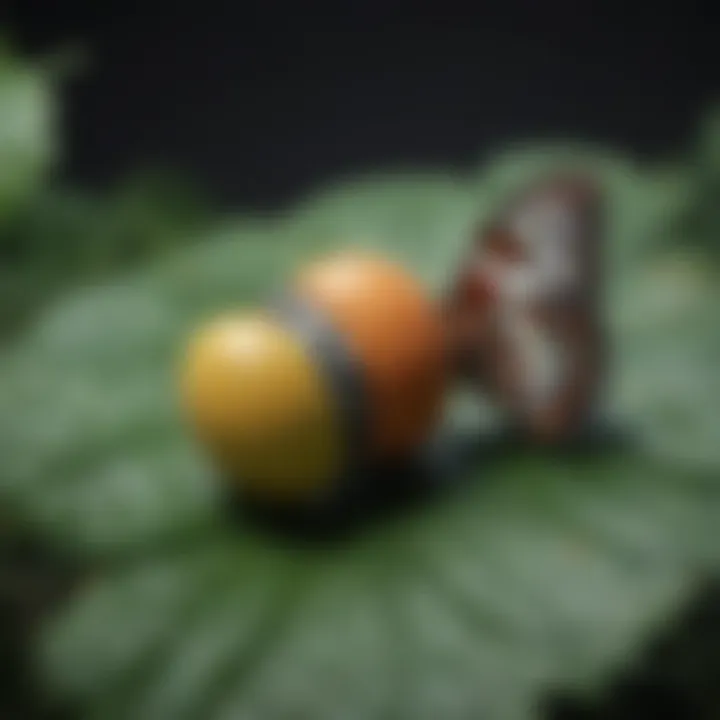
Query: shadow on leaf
(382, 494)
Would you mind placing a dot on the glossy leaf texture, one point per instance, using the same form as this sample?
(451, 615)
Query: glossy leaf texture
(534, 571)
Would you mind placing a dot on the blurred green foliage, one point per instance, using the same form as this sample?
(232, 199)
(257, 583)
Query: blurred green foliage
(62, 236)
(701, 220)
(53, 235)
(28, 132)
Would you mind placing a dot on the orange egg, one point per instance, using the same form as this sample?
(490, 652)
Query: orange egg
(395, 332)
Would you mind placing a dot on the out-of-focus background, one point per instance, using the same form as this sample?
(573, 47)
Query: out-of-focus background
(259, 102)
(167, 117)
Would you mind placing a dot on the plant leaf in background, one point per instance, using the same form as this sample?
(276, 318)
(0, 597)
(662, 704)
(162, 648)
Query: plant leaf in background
(28, 132)
(534, 573)
(51, 235)
(64, 236)
(701, 220)
(28, 153)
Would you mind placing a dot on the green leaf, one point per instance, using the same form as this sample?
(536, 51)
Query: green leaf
(534, 572)
(28, 137)
(545, 573)
(62, 236)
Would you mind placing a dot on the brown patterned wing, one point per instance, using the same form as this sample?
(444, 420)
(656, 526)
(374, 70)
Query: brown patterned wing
(524, 308)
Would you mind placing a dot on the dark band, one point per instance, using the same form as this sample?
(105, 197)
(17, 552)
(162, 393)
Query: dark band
(337, 365)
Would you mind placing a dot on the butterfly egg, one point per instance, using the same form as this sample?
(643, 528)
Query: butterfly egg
(347, 368)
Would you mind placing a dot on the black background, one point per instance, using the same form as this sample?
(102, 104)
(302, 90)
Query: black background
(257, 101)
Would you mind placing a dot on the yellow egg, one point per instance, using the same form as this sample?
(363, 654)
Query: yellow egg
(260, 403)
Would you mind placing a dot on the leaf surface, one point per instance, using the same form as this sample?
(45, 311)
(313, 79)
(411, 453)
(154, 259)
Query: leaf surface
(535, 571)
